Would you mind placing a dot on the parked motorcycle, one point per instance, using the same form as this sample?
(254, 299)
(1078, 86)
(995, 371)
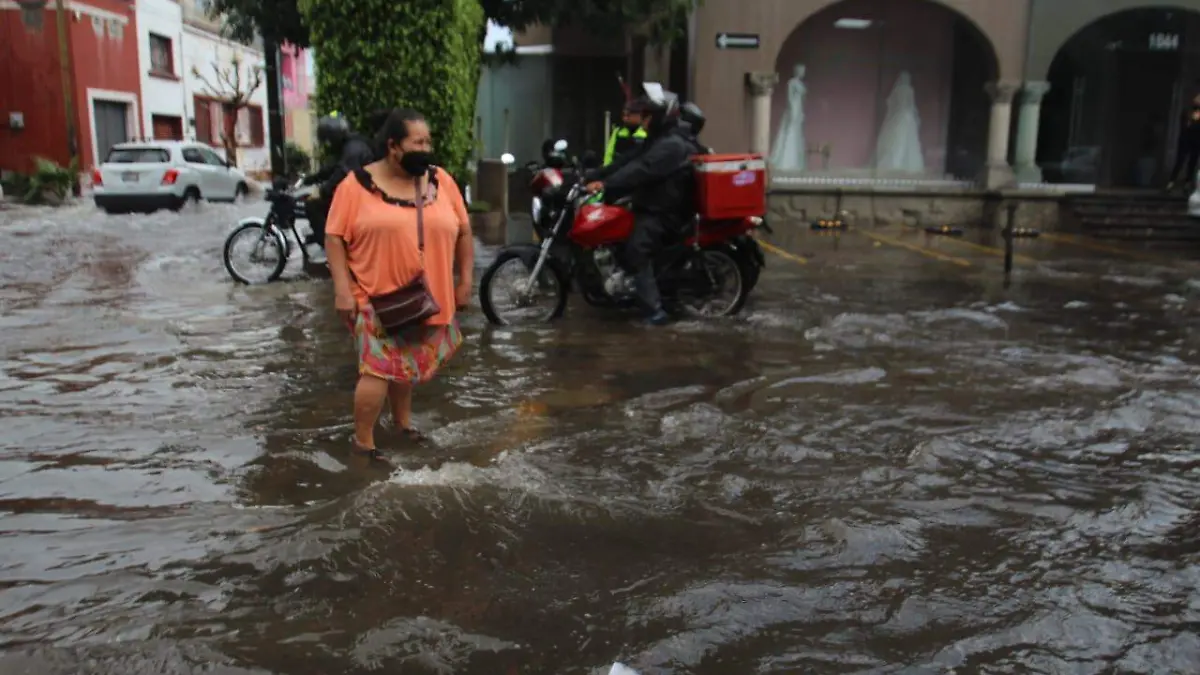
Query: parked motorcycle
(267, 238)
(707, 270)
(554, 156)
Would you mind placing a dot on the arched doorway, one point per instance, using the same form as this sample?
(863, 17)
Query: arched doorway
(1118, 90)
(867, 66)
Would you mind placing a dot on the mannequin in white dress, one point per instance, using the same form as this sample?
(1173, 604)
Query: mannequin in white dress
(899, 145)
(788, 151)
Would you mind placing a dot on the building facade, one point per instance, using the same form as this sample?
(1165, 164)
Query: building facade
(216, 69)
(103, 87)
(161, 68)
(954, 94)
(295, 74)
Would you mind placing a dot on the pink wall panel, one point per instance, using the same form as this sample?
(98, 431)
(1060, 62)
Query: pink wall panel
(852, 72)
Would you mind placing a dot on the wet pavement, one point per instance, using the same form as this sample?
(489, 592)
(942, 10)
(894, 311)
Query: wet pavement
(891, 463)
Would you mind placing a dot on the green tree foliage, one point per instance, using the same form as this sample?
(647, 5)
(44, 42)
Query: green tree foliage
(278, 20)
(421, 54)
(660, 20)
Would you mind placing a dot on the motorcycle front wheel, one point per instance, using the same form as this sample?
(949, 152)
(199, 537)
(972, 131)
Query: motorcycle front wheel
(719, 286)
(264, 258)
(508, 298)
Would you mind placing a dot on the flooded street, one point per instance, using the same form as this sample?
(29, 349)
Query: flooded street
(890, 463)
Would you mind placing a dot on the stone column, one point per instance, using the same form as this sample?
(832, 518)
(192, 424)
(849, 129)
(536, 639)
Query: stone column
(760, 86)
(997, 173)
(1027, 132)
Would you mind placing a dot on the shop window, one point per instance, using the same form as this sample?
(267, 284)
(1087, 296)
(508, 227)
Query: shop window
(882, 91)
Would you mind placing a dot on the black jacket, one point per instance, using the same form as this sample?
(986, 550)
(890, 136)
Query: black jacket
(658, 176)
(698, 148)
(1189, 134)
(356, 153)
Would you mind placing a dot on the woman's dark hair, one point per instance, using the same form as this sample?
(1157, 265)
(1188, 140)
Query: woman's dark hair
(395, 126)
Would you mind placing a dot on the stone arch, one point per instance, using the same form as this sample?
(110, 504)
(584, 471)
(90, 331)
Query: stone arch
(1052, 33)
(1111, 113)
(796, 14)
(855, 52)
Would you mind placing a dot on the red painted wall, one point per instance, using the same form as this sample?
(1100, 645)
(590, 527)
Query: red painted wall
(31, 82)
(104, 62)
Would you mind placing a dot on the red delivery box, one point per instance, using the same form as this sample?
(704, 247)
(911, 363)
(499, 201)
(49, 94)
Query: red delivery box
(730, 186)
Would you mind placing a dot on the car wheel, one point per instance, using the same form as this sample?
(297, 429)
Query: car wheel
(190, 199)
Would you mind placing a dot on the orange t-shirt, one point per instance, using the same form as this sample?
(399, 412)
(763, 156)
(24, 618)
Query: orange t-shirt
(381, 241)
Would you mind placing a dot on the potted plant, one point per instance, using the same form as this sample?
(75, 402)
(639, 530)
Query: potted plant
(50, 183)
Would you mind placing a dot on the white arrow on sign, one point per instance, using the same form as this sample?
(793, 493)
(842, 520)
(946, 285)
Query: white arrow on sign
(724, 41)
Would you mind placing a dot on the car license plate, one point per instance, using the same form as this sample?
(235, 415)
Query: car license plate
(130, 176)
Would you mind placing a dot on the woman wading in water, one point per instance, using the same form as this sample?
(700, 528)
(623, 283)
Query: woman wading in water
(373, 242)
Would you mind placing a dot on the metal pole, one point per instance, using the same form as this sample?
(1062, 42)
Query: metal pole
(276, 123)
(1008, 239)
(66, 68)
(507, 132)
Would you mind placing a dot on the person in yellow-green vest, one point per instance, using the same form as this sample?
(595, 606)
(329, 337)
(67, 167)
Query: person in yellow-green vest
(627, 136)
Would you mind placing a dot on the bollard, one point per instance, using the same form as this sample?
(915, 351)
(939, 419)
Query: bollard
(1008, 239)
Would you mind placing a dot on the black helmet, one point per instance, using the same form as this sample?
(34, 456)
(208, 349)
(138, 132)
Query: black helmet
(691, 115)
(661, 105)
(333, 129)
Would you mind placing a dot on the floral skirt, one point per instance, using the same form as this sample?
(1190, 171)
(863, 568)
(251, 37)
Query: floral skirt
(414, 357)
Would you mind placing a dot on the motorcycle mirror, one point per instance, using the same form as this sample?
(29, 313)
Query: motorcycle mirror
(560, 145)
(507, 158)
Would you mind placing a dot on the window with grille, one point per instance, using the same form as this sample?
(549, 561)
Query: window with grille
(162, 56)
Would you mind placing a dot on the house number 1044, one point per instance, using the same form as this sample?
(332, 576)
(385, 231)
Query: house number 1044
(1164, 42)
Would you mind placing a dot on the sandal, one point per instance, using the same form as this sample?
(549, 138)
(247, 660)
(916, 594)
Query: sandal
(413, 434)
(356, 449)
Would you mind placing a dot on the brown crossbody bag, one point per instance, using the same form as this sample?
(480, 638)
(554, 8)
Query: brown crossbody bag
(412, 304)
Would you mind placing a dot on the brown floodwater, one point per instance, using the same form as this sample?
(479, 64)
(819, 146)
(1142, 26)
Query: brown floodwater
(888, 464)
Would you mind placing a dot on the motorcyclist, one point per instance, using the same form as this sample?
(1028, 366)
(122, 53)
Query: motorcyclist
(350, 151)
(630, 135)
(658, 177)
(691, 122)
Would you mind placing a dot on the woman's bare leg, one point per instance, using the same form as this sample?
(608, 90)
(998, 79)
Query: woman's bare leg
(368, 403)
(400, 394)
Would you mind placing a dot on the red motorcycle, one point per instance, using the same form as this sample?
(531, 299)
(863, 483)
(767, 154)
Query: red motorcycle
(706, 270)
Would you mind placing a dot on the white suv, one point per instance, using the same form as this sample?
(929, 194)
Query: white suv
(152, 175)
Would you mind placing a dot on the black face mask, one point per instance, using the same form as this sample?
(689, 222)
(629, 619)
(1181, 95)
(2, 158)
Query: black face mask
(632, 127)
(416, 162)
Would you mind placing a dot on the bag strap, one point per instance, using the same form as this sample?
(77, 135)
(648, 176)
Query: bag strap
(420, 201)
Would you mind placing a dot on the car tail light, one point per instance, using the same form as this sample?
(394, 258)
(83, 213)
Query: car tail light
(170, 177)
(96, 178)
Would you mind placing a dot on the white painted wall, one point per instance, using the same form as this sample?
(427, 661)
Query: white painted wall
(201, 49)
(160, 96)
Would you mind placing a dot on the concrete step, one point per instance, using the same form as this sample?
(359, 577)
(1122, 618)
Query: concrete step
(1173, 237)
(1172, 221)
(1122, 200)
(1129, 213)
